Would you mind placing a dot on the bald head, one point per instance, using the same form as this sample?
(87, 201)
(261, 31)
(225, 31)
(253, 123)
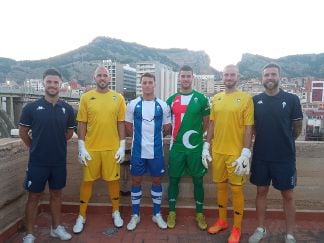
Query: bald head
(102, 78)
(231, 67)
(101, 69)
(231, 77)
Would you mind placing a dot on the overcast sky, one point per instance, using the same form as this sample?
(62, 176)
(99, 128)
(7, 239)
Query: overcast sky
(224, 29)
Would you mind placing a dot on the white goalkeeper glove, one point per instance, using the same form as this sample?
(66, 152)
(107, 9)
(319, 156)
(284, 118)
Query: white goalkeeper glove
(242, 164)
(120, 154)
(205, 156)
(83, 153)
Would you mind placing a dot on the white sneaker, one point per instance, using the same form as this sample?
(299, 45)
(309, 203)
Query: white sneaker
(135, 219)
(118, 221)
(259, 234)
(290, 238)
(61, 233)
(29, 238)
(79, 223)
(157, 218)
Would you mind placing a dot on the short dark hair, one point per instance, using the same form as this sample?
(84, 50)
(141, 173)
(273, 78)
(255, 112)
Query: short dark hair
(52, 71)
(186, 68)
(148, 75)
(272, 65)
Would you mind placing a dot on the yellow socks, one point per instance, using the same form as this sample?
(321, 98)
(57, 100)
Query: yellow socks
(222, 198)
(113, 191)
(85, 194)
(238, 205)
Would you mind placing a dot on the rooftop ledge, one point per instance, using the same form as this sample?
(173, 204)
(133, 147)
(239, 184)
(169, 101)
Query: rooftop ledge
(309, 193)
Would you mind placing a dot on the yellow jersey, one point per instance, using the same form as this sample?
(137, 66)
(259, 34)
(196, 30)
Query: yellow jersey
(101, 111)
(231, 112)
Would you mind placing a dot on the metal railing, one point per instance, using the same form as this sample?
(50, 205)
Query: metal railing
(28, 91)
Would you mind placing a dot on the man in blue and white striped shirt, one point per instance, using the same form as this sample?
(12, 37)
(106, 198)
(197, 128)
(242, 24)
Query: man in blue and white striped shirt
(147, 118)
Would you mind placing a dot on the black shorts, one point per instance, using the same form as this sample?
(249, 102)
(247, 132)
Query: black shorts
(283, 175)
(37, 176)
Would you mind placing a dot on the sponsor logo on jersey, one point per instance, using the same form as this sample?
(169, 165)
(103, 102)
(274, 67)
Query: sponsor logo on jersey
(284, 105)
(260, 102)
(39, 108)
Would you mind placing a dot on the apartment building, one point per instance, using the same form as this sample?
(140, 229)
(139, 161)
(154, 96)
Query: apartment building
(166, 78)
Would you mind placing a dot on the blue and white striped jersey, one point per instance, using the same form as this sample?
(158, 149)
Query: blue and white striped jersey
(148, 118)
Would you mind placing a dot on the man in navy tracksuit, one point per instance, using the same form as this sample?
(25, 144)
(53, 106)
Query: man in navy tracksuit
(278, 122)
(51, 121)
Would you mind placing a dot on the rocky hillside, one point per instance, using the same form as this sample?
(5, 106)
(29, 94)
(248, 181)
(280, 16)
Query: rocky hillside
(309, 65)
(79, 64)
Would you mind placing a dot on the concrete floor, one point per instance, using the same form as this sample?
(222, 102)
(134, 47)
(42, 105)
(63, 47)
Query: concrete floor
(99, 227)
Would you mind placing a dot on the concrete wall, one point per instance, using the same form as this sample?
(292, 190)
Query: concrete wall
(13, 161)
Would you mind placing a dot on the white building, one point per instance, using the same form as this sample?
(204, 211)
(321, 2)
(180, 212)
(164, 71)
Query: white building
(206, 84)
(123, 78)
(36, 84)
(165, 78)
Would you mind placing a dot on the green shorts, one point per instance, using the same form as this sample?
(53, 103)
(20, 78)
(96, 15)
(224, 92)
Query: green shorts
(185, 164)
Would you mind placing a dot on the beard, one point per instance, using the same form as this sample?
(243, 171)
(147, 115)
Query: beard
(51, 94)
(272, 85)
(102, 85)
(230, 84)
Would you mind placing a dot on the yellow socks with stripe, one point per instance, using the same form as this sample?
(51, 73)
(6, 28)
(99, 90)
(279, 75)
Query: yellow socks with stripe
(238, 205)
(113, 191)
(222, 199)
(85, 195)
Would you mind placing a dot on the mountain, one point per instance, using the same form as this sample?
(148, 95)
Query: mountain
(80, 63)
(308, 65)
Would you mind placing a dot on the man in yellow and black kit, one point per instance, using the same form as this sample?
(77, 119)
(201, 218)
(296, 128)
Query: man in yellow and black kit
(101, 142)
(230, 127)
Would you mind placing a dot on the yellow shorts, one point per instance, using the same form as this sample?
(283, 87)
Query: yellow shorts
(224, 171)
(102, 165)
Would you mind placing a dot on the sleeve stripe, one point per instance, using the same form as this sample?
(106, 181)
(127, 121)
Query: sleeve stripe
(25, 125)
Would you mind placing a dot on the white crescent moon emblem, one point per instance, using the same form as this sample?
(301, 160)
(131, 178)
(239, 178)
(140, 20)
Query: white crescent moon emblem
(185, 139)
